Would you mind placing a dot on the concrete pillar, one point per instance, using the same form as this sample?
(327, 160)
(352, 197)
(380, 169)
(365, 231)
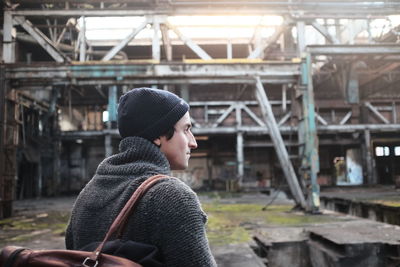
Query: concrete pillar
(82, 46)
(352, 88)
(8, 40)
(108, 145)
(40, 177)
(156, 39)
(166, 42)
(368, 158)
(240, 157)
(185, 95)
(239, 146)
(284, 97)
(351, 30)
(229, 49)
(301, 37)
(112, 105)
(112, 117)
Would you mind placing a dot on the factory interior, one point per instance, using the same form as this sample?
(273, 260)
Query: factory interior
(298, 96)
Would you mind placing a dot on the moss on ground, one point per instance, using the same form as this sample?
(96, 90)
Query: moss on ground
(390, 203)
(219, 194)
(23, 228)
(234, 223)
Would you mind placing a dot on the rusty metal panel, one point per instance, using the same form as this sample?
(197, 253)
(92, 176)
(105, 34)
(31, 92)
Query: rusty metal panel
(7, 155)
(2, 109)
(8, 144)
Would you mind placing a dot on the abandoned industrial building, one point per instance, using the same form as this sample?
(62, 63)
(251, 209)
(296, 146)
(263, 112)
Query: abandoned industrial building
(292, 94)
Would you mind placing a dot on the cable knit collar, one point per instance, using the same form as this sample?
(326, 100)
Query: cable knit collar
(137, 156)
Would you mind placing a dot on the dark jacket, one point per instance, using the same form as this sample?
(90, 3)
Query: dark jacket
(169, 216)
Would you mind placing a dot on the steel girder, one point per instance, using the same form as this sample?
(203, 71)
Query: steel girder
(342, 49)
(106, 73)
(356, 9)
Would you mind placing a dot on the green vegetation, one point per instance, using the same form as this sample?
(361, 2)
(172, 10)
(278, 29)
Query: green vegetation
(24, 228)
(220, 194)
(234, 223)
(390, 203)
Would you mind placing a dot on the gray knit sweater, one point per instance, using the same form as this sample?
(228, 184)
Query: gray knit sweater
(169, 215)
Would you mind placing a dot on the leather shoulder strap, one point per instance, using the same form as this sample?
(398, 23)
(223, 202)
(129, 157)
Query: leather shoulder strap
(119, 223)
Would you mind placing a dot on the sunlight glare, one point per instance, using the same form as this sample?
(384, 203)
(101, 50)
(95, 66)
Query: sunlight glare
(117, 28)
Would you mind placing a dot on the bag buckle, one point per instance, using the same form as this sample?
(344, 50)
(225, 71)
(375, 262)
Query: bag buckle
(88, 262)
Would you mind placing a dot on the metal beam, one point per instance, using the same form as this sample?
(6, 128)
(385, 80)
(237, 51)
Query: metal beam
(368, 157)
(252, 115)
(159, 71)
(376, 112)
(284, 97)
(187, 41)
(222, 103)
(82, 47)
(272, 39)
(166, 42)
(239, 157)
(41, 38)
(346, 118)
(320, 119)
(8, 44)
(378, 72)
(308, 136)
(352, 86)
(224, 115)
(239, 145)
(229, 49)
(279, 145)
(301, 37)
(112, 104)
(349, 128)
(125, 41)
(155, 44)
(52, 32)
(324, 31)
(108, 150)
(285, 118)
(3, 89)
(254, 130)
(31, 83)
(329, 9)
(371, 49)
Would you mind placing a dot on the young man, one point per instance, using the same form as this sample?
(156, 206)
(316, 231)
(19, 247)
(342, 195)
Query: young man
(156, 138)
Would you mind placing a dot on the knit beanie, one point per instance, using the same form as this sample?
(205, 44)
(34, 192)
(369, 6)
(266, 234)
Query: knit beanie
(149, 113)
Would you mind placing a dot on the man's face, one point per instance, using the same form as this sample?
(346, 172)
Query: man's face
(177, 149)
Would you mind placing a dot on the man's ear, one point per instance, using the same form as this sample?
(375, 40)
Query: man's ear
(157, 141)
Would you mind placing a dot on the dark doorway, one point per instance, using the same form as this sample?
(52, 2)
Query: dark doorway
(387, 158)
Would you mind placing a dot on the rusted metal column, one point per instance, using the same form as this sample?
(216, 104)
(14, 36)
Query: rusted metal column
(310, 160)
(239, 146)
(280, 148)
(82, 44)
(368, 157)
(8, 40)
(112, 118)
(2, 134)
(156, 40)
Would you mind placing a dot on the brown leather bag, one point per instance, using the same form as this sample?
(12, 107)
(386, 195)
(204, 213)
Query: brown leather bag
(12, 256)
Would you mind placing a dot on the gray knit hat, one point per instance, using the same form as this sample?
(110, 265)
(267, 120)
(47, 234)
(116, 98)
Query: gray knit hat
(149, 113)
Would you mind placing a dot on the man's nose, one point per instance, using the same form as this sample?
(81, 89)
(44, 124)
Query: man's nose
(192, 141)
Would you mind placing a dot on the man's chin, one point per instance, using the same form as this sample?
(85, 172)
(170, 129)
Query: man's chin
(179, 168)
